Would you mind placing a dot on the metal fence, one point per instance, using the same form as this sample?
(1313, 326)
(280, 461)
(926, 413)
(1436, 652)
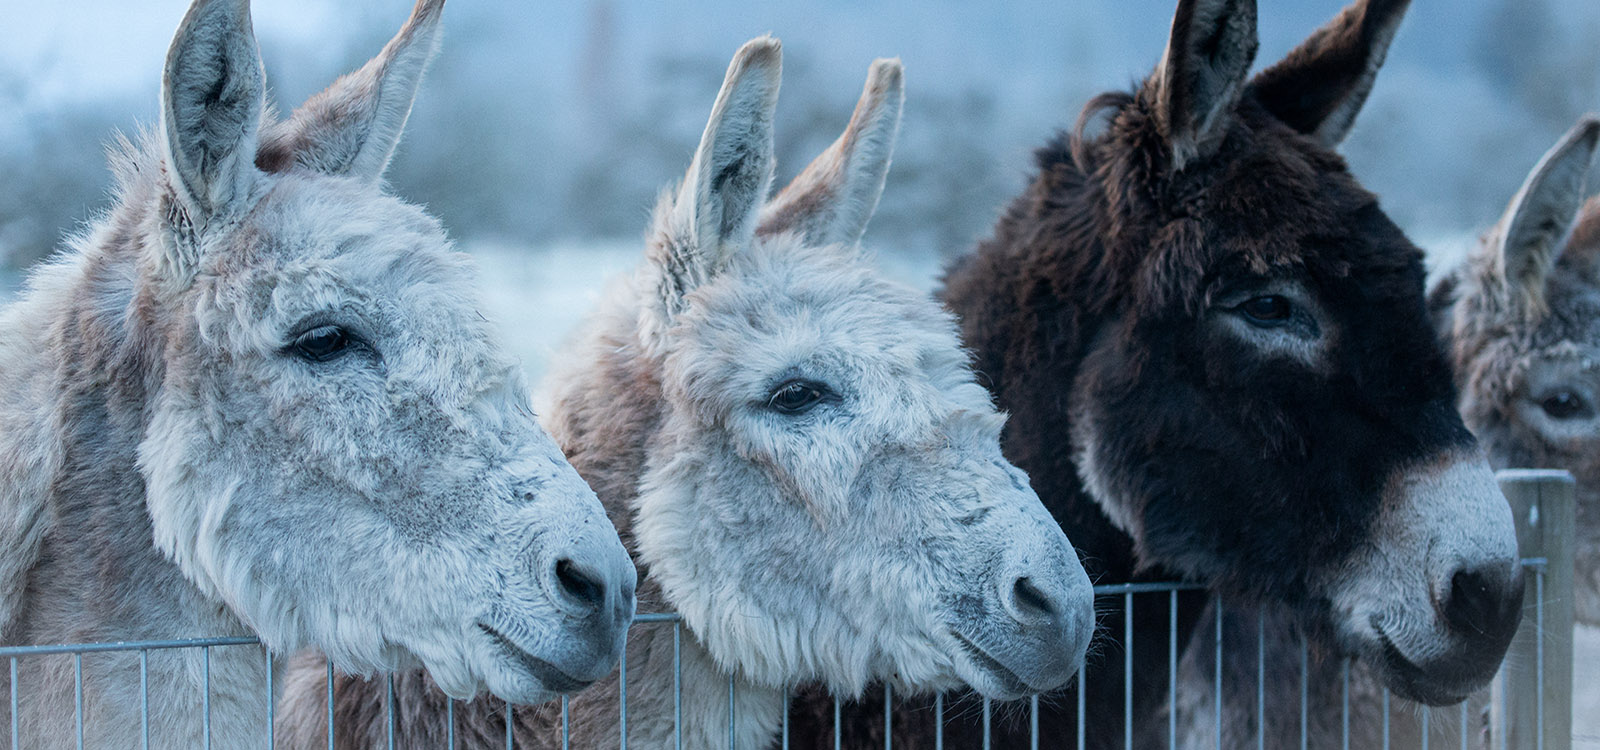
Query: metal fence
(1529, 706)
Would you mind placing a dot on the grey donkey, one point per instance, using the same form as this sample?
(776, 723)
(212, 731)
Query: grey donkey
(799, 457)
(255, 398)
(1521, 319)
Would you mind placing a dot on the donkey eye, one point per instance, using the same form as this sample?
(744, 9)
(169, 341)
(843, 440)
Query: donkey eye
(1267, 310)
(1564, 405)
(796, 397)
(322, 343)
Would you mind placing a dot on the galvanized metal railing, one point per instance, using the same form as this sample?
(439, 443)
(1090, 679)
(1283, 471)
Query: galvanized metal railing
(1530, 707)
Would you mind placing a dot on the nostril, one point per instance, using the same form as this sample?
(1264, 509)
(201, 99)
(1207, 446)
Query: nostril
(1030, 600)
(1480, 598)
(581, 585)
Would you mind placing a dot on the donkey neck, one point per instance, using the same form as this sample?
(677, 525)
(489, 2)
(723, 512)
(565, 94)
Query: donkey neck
(96, 368)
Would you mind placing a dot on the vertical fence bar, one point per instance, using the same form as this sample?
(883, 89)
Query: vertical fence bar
(938, 722)
(144, 698)
(1217, 677)
(566, 726)
(785, 717)
(888, 718)
(511, 723)
(1386, 719)
(1344, 705)
(731, 713)
(205, 724)
(1127, 671)
(1538, 619)
(389, 710)
(1033, 722)
(272, 703)
(330, 705)
(1172, 670)
(77, 697)
(450, 722)
(1533, 702)
(1261, 679)
(677, 686)
(1464, 725)
(836, 735)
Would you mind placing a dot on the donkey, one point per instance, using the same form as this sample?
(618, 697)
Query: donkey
(1219, 365)
(1519, 320)
(799, 456)
(255, 398)
(1522, 316)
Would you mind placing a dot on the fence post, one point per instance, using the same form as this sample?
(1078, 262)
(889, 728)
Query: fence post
(1543, 507)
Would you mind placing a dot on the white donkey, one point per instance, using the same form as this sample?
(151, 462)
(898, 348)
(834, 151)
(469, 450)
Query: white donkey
(802, 461)
(256, 398)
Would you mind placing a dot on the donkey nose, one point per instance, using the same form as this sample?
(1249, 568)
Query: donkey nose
(580, 583)
(1483, 600)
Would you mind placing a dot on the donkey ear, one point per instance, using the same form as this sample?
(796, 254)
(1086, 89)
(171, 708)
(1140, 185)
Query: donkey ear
(1202, 74)
(833, 198)
(353, 126)
(1320, 87)
(1528, 239)
(714, 212)
(211, 101)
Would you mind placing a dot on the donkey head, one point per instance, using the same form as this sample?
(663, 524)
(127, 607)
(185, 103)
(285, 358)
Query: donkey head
(1523, 319)
(833, 504)
(340, 450)
(1262, 402)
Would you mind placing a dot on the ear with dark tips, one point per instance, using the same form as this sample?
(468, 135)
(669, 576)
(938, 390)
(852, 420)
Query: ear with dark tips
(1319, 88)
(1202, 75)
(1528, 239)
(832, 199)
(353, 127)
(713, 214)
(212, 95)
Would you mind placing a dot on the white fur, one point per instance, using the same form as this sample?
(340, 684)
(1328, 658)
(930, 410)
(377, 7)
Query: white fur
(842, 545)
(173, 469)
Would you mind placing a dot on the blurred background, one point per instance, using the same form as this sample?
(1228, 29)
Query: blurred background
(544, 130)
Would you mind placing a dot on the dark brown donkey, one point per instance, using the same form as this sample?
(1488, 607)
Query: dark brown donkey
(1219, 365)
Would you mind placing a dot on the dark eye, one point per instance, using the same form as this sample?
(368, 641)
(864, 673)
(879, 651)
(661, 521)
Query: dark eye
(1563, 405)
(322, 343)
(796, 397)
(1267, 310)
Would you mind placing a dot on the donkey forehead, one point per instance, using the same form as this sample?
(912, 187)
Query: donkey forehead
(1574, 309)
(325, 245)
(782, 310)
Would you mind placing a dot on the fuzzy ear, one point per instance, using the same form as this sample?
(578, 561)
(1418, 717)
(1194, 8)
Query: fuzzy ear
(1526, 243)
(1320, 86)
(833, 198)
(353, 126)
(714, 212)
(1202, 74)
(211, 100)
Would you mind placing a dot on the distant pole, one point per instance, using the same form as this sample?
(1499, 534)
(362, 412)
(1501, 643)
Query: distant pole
(1537, 675)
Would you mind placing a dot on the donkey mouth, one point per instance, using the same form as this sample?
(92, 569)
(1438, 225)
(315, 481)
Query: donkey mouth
(548, 675)
(1411, 680)
(1010, 682)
